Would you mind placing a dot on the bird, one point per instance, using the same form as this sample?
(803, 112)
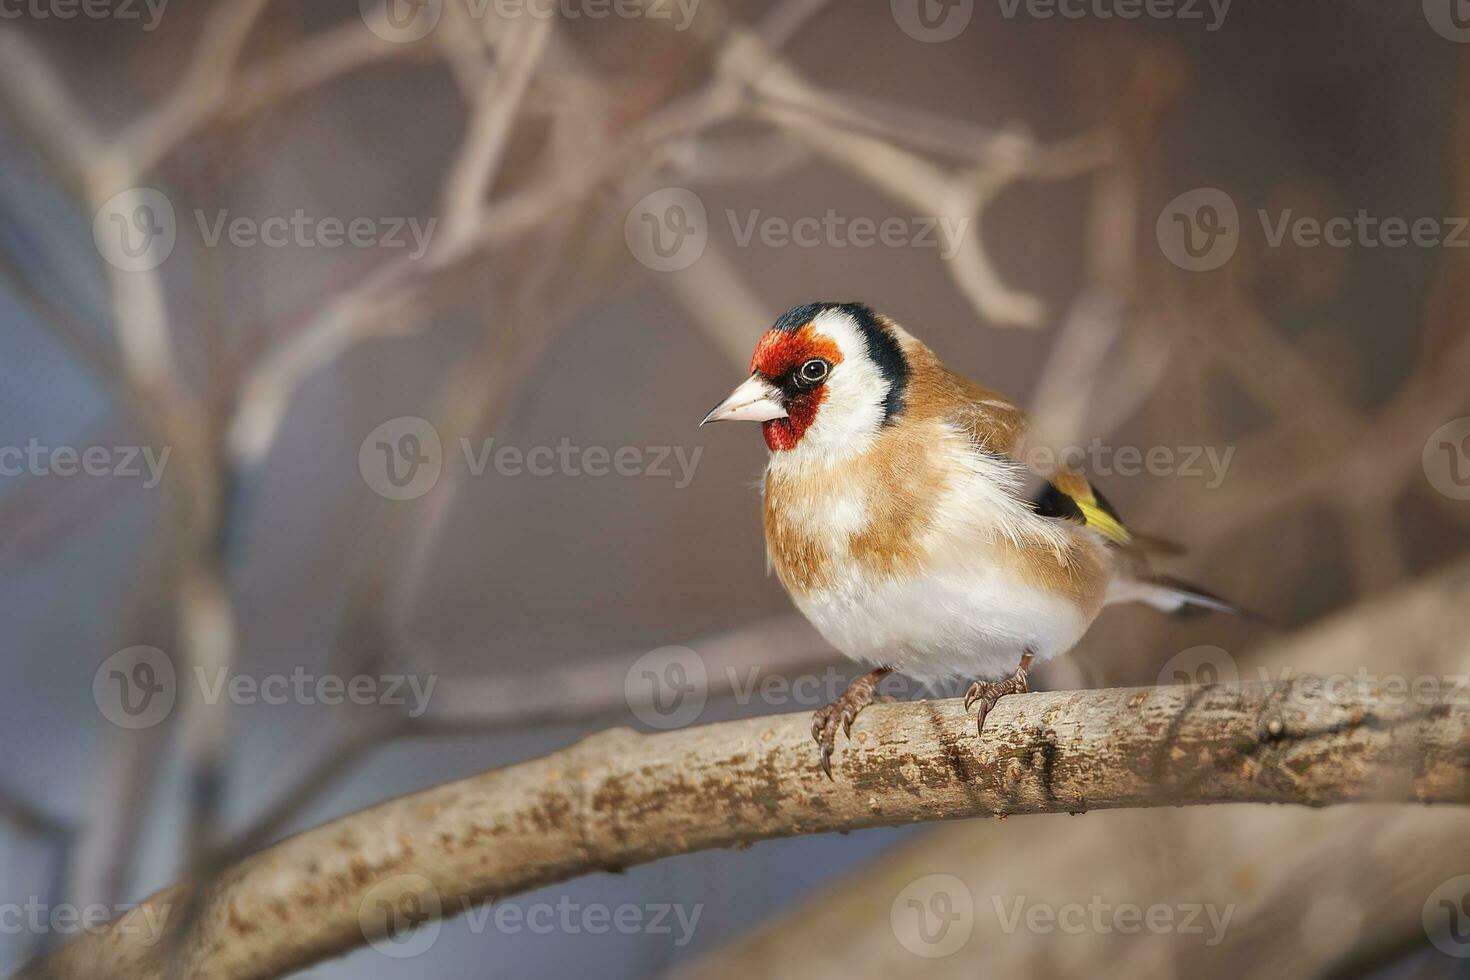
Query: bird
(909, 522)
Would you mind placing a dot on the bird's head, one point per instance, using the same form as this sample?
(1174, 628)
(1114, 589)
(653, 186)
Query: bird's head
(826, 377)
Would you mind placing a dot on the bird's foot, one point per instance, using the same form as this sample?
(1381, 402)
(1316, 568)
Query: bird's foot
(825, 721)
(989, 692)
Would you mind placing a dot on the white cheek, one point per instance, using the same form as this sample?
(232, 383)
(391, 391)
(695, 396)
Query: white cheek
(851, 414)
(848, 418)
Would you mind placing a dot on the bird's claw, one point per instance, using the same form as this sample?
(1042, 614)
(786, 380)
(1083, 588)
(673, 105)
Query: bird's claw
(989, 692)
(841, 714)
(825, 723)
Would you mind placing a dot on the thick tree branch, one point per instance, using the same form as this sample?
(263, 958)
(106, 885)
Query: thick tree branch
(621, 798)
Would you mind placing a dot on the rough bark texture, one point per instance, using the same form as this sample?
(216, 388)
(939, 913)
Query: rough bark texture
(620, 798)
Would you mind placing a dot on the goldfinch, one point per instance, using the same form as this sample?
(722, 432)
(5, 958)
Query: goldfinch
(905, 522)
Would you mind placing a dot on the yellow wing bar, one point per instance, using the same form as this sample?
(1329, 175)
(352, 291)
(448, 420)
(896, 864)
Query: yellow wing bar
(1100, 520)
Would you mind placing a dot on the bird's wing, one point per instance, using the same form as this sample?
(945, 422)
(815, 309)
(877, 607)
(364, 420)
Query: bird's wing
(997, 426)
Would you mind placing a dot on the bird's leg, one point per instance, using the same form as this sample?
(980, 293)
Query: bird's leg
(989, 692)
(859, 695)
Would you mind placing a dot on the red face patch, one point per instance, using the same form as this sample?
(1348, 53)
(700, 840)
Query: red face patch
(778, 355)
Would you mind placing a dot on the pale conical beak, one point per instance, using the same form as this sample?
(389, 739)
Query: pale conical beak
(754, 401)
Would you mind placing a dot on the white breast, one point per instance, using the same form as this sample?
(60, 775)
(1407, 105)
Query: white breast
(973, 622)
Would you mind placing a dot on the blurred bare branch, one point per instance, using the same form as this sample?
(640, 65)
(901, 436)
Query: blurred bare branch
(214, 91)
(496, 106)
(959, 198)
(42, 105)
(27, 818)
(55, 834)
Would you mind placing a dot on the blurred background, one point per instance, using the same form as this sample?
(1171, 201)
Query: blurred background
(353, 355)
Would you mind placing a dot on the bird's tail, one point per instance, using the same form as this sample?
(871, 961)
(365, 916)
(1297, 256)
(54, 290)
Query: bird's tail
(1171, 595)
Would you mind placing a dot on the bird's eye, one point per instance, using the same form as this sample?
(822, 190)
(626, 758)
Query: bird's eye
(813, 372)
